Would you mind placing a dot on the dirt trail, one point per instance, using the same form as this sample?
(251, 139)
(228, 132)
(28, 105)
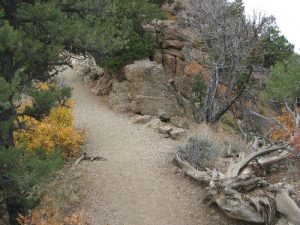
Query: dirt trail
(138, 184)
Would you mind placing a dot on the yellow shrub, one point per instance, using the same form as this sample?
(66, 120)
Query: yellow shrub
(55, 131)
(42, 86)
(61, 116)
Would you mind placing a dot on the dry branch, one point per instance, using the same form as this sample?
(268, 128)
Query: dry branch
(230, 191)
(88, 158)
(287, 206)
(236, 169)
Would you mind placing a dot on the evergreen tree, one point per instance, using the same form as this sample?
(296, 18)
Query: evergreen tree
(36, 37)
(276, 47)
(283, 84)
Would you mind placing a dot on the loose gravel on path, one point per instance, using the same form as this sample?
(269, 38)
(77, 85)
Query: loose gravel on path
(138, 184)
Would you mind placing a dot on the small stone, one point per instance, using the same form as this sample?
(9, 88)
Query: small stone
(154, 124)
(163, 116)
(142, 119)
(165, 129)
(178, 133)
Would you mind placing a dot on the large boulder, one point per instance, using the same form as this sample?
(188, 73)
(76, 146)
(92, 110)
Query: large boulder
(149, 89)
(151, 105)
(118, 99)
(176, 44)
(169, 63)
(183, 85)
(174, 52)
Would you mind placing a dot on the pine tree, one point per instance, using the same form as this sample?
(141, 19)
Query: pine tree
(36, 37)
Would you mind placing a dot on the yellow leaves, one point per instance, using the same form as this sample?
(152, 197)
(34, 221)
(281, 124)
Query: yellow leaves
(69, 140)
(61, 116)
(42, 86)
(55, 131)
(26, 102)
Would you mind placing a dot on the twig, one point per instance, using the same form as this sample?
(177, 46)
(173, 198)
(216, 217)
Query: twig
(86, 157)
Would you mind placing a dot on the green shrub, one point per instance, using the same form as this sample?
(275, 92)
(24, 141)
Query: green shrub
(137, 48)
(283, 83)
(24, 170)
(198, 88)
(178, 6)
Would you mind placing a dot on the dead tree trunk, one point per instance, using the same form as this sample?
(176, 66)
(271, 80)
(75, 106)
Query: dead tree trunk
(242, 194)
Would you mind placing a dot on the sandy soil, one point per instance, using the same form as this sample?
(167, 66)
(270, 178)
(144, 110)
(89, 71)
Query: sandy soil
(138, 184)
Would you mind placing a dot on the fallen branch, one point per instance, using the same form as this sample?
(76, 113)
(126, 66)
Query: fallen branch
(230, 191)
(236, 168)
(88, 158)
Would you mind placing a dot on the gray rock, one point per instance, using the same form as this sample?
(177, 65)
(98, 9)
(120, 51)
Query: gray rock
(103, 85)
(183, 85)
(164, 129)
(118, 99)
(149, 89)
(174, 52)
(163, 116)
(155, 124)
(178, 133)
(176, 44)
(142, 119)
(157, 57)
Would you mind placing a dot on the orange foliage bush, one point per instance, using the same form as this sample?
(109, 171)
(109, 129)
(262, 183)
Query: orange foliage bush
(47, 215)
(55, 131)
(296, 140)
(288, 132)
(284, 133)
(192, 69)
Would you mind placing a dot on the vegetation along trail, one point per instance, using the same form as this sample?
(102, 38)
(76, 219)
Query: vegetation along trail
(138, 184)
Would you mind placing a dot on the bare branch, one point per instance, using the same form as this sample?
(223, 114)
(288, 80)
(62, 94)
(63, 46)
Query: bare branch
(236, 169)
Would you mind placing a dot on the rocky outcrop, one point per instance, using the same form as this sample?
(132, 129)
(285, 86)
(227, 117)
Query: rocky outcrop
(99, 81)
(167, 129)
(149, 87)
(118, 99)
(148, 91)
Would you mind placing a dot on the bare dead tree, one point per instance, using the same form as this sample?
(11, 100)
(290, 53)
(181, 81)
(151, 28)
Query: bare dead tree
(230, 40)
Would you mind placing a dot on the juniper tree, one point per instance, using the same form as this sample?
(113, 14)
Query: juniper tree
(283, 83)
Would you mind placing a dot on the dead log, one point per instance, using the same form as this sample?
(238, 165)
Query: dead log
(230, 191)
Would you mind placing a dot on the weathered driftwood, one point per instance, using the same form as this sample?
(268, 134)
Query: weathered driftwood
(235, 192)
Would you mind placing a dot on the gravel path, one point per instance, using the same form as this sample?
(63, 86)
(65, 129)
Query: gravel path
(138, 184)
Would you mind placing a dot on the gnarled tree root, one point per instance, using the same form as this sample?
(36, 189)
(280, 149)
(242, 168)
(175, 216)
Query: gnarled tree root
(230, 191)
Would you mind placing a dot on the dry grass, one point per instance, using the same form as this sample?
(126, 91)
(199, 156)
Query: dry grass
(67, 190)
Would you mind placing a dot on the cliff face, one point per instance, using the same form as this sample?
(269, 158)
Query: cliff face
(161, 84)
(164, 83)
